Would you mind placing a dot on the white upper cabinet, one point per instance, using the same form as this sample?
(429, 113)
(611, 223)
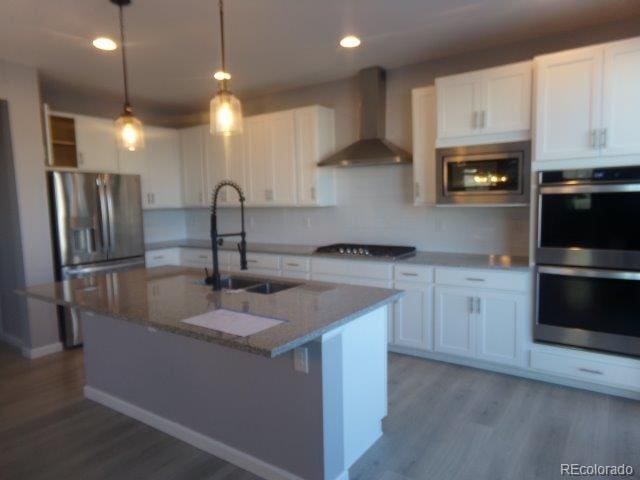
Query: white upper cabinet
(586, 104)
(459, 104)
(193, 175)
(568, 101)
(96, 144)
(315, 139)
(164, 172)
(225, 160)
(486, 106)
(158, 165)
(275, 159)
(423, 112)
(620, 134)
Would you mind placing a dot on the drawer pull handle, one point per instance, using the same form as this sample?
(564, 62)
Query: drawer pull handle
(158, 257)
(407, 274)
(202, 256)
(292, 264)
(474, 279)
(589, 370)
(252, 261)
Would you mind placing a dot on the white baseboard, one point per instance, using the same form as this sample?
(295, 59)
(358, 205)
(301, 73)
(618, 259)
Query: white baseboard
(37, 352)
(10, 340)
(198, 440)
(516, 371)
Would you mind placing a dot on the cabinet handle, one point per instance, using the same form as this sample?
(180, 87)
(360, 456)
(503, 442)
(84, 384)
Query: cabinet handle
(153, 198)
(478, 304)
(603, 138)
(158, 257)
(407, 274)
(80, 159)
(594, 138)
(313, 193)
(589, 370)
(474, 279)
(252, 261)
(474, 120)
(483, 119)
(223, 196)
(470, 304)
(416, 190)
(292, 264)
(202, 256)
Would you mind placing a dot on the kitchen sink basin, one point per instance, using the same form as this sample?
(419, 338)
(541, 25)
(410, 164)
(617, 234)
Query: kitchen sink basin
(267, 288)
(233, 283)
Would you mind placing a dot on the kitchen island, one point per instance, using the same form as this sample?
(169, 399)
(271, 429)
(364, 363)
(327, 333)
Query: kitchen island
(301, 398)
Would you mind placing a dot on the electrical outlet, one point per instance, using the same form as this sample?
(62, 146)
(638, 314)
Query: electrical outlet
(301, 359)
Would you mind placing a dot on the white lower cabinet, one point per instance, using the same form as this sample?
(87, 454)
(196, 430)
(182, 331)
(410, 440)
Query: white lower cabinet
(163, 257)
(412, 316)
(455, 329)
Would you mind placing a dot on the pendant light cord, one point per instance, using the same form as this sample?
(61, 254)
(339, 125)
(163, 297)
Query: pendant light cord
(127, 105)
(223, 83)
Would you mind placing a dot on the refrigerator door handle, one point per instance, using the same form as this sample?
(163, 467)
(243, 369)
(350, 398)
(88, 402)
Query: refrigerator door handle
(103, 214)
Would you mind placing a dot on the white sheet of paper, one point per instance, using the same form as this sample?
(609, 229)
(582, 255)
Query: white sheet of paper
(235, 323)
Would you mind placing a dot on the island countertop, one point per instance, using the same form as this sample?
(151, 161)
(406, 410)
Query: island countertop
(162, 297)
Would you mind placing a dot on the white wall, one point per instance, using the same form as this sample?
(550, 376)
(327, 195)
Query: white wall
(19, 87)
(374, 207)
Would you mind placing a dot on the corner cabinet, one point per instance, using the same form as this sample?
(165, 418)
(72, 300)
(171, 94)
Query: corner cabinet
(485, 106)
(586, 103)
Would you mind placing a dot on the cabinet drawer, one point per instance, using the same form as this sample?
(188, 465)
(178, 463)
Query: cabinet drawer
(596, 371)
(413, 273)
(501, 280)
(353, 268)
(260, 261)
(196, 256)
(157, 258)
(296, 264)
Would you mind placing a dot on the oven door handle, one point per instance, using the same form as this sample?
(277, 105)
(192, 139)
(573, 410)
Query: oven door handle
(589, 273)
(609, 188)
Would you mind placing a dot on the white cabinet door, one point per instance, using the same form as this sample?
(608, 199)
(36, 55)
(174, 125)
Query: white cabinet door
(506, 98)
(163, 170)
(192, 153)
(620, 134)
(459, 102)
(225, 160)
(165, 256)
(96, 144)
(500, 319)
(282, 131)
(423, 110)
(455, 328)
(259, 160)
(315, 139)
(568, 104)
(412, 316)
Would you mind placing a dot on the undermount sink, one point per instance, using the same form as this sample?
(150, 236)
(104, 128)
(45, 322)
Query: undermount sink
(271, 287)
(251, 284)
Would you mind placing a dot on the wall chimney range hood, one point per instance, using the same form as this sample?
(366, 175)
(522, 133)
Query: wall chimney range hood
(372, 148)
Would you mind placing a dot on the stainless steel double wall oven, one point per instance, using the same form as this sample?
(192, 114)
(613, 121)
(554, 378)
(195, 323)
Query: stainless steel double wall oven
(588, 259)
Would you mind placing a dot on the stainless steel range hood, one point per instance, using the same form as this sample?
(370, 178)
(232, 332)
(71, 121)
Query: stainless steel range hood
(372, 148)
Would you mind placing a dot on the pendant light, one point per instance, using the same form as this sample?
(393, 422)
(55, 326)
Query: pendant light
(129, 129)
(225, 113)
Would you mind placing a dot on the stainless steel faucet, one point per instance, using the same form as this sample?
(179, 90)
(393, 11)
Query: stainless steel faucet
(217, 237)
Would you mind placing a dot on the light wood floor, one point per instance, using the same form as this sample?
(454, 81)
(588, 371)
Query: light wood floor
(445, 423)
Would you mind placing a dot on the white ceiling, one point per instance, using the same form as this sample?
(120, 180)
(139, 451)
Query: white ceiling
(272, 44)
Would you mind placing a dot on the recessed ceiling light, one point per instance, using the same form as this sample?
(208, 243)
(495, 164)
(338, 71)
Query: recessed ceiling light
(105, 43)
(220, 75)
(350, 41)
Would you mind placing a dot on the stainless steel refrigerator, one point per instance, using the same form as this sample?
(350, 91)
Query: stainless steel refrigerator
(97, 228)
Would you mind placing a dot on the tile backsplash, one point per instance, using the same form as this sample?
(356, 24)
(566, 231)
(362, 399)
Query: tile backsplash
(374, 206)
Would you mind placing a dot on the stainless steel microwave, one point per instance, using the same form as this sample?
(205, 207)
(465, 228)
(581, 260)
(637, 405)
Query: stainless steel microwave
(496, 174)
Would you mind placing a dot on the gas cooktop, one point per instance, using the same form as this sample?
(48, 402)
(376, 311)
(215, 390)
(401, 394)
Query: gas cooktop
(362, 250)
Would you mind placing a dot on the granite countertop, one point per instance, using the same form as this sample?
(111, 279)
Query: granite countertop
(436, 259)
(163, 296)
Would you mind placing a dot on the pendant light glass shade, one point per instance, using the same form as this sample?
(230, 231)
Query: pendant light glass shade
(225, 114)
(130, 132)
(225, 110)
